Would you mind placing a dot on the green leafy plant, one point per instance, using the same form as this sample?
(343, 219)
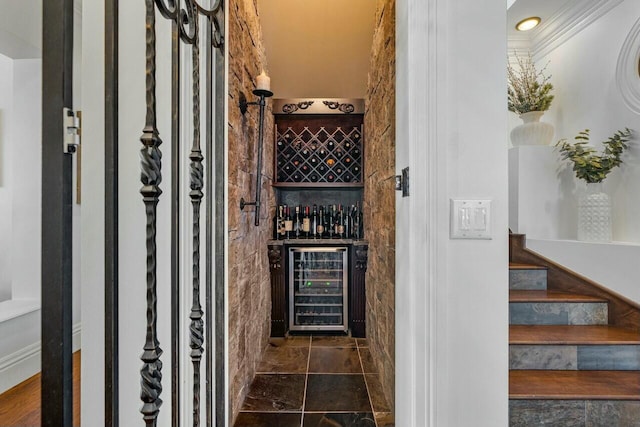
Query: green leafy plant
(528, 89)
(588, 164)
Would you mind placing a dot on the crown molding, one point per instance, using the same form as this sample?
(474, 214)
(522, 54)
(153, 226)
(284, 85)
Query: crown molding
(520, 44)
(572, 18)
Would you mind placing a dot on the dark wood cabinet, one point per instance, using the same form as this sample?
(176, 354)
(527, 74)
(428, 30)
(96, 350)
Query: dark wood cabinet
(281, 289)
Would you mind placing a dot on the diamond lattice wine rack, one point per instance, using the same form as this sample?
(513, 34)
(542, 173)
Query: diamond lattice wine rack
(319, 151)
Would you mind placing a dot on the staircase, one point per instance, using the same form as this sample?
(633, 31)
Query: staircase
(574, 348)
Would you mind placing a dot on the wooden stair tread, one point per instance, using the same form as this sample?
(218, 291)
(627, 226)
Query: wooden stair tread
(574, 385)
(572, 335)
(521, 266)
(526, 295)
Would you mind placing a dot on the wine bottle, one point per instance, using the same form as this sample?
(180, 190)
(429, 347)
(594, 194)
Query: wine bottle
(340, 223)
(357, 222)
(336, 221)
(297, 225)
(314, 222)
(348, 224)
(306, 223)
(320, 224)
(276, 223)
(288, 223)
(330, 225)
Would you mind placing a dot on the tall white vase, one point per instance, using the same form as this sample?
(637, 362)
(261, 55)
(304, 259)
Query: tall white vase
(594, 215)
(532, 131)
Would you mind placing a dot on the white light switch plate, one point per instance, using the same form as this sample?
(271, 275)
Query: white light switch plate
(470, 219)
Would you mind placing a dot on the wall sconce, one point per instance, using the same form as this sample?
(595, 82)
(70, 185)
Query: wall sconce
(263, 86)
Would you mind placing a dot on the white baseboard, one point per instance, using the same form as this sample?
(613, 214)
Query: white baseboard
(24, 363)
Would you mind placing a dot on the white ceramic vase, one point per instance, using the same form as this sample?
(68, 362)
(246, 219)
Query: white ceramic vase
(532, 131)
(594, 215)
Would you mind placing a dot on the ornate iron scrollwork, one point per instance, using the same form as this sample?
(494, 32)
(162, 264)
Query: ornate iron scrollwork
(186, 15)
(151, 176)
(197, 183)
(290, 108)
(345, 108)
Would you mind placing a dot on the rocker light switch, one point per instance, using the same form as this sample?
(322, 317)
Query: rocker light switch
(470, 219)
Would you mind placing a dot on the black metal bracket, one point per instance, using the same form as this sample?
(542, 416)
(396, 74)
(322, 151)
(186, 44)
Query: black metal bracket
(402, 182)
(244, 105)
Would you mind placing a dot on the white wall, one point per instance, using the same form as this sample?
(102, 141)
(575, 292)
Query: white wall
(543, 194)
(452, 297)
(613, 265)
(92, 220)
(26, 156)
(583, 73)
(6, 105)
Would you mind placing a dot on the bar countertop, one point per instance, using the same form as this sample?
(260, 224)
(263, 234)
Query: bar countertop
(318, 242)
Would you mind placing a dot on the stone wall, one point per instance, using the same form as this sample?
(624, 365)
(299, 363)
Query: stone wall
(379, 198)
(249, 295)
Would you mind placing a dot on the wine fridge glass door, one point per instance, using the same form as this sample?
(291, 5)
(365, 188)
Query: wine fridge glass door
(318, 288)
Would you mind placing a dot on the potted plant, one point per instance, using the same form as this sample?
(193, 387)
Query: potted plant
(594, 207)
(529, 95)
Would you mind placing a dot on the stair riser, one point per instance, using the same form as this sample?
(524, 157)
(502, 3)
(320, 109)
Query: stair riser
(528, 279)
(558, 313)
(569, 413)
(575, 357)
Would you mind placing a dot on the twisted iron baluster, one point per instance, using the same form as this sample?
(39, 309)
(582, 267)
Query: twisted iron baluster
(151, 165)
(196, 173)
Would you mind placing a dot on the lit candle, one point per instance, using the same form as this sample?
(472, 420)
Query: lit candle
(263, 82)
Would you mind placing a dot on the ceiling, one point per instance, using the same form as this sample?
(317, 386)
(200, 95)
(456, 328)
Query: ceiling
(521, 9)
(20, 28)
(318, 48)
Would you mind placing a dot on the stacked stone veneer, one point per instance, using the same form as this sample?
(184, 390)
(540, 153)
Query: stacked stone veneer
(249, 292)
(379, 197)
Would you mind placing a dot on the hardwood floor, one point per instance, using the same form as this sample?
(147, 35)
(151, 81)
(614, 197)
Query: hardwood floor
(20, 406)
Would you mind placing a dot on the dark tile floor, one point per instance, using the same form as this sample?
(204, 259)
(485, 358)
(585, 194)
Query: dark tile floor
(316, 381)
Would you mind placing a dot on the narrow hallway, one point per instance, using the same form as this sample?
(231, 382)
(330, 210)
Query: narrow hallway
(316, 381)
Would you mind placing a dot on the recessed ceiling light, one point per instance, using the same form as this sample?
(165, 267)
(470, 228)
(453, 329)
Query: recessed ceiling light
(528, 24)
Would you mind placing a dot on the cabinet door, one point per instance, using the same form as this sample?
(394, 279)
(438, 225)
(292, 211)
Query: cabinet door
(318, 288)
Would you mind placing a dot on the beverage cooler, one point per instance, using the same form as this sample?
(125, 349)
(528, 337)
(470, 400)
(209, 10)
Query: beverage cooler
(318, 278)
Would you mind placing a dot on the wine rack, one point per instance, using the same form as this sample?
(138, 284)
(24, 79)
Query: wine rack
(319, 155)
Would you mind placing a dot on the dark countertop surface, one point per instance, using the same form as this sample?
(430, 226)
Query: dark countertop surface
(318, 242)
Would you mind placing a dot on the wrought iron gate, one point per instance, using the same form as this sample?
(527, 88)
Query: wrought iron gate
(200, 28)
